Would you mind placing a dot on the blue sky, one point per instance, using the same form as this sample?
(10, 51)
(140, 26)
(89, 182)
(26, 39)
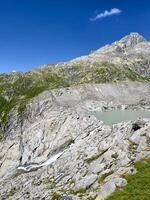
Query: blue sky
(35, 32)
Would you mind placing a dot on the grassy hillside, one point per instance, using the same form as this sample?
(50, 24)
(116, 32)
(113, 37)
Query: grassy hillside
(138, 187)
(16, 89)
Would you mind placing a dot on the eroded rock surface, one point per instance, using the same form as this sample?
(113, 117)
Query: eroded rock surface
(58, 150)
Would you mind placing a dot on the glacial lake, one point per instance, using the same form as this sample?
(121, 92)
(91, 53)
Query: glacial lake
(118, 116)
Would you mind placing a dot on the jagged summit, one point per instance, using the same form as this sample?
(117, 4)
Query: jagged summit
(133, 42)
(135, 35)
(131, 51)
(132, 39)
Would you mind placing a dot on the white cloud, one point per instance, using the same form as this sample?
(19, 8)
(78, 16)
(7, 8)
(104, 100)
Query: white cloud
(106, 13)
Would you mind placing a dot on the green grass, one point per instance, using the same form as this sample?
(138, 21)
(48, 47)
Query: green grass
(56, 196)
(103, 176)
(80, 191)
(12, 192)
(138, 187)
(115, 155)
(21, 91)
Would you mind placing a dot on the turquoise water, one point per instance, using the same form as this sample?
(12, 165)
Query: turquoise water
(114, 117)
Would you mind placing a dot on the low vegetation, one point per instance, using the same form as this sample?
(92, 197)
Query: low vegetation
(114, 156)
(56, 196)
(80, 192)
(95, 157)
(12, 192)
(17, 89)
(138, 187)
(102, 177)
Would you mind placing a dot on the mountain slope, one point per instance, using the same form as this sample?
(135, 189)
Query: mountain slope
(52, 146)
(127, 59)
(132, 51)
(57, 149)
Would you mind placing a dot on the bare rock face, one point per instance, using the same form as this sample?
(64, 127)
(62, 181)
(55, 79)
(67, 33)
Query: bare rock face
(130, 41)
(132, 51)
(57, 149)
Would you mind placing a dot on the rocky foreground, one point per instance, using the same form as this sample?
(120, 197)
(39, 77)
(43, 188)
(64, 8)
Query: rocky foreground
(57, 148)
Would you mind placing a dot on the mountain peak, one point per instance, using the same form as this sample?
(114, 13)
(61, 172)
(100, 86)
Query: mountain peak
(135, 34)
(132, 39)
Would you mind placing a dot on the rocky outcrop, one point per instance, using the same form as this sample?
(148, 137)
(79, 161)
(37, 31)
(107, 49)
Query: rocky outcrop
(132, 51)
(57, 149)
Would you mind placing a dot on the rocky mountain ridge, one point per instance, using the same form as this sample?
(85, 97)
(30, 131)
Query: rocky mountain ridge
(107, 64)
(131, 51)
(52, 145)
